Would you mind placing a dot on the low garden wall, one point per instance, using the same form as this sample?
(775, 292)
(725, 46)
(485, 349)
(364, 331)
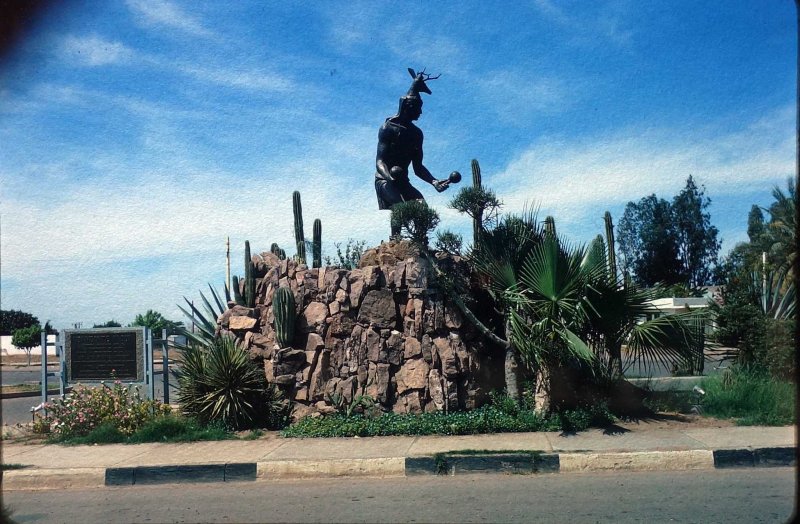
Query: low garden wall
(384, 330)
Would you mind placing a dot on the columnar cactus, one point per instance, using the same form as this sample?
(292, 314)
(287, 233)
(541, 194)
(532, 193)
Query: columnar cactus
(237, 294)
(477, 221)
(612, 257)
(317, 249)
(299, 237)
(277, 251)
(249, 277)
(283, 309)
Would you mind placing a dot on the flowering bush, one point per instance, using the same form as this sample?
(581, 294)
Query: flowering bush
(86, 408)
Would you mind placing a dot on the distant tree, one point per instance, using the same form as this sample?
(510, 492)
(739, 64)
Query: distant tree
(670, 243)
(12, 320)
(156, 322)
(108, 324)
(648, 242)
(27, 338)
(698, 247)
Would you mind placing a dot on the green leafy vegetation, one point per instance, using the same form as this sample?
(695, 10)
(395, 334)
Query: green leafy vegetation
(749, 397)
(108, 324)
(27, 338)
(156, 322)
(12, 320)
(117, 409)
(503, 415)
(167, 428)
(670, 242)
(220, 383)
(415, 220)
(350, 257)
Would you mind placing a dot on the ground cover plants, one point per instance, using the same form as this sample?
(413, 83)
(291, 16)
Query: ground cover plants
(502, 415)
(750, 397)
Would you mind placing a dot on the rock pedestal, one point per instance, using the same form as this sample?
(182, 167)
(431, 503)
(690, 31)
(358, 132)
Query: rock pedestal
(383, 330)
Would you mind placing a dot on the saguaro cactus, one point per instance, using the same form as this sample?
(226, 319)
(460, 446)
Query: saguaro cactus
(477, 220)
(249, 277)
(317, 245)
(612, 257)
(299, 237)
(283, 309)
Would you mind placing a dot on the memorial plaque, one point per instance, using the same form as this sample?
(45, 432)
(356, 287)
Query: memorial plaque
(105, 354)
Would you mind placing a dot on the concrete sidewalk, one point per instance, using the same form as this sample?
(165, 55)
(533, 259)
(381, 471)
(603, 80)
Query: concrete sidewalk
(272, 457)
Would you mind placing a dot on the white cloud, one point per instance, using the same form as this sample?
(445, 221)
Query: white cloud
(163, 13)
(95, 51)
(246, 79)
(605, 20)
(572, 174)
(516, 96)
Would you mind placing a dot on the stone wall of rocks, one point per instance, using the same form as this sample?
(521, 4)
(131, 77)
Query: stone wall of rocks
(383, 330)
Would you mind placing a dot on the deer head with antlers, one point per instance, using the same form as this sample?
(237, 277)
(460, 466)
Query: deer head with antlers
(418, 85)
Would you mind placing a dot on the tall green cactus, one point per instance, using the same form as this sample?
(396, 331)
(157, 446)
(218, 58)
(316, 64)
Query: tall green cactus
(249, 277)
(237, 295)
(299, 236)
(612, 257)
(283, 309)
(317, 245)
(477, 220)
(277, 251)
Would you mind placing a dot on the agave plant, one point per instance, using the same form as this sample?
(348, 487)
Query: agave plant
(204, 323)
(778, 296)
(219, 382)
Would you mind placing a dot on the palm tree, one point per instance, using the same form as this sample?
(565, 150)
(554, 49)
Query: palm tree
(780, 233)
(563, 304)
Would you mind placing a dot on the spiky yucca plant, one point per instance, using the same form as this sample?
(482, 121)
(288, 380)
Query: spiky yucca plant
(220, 383)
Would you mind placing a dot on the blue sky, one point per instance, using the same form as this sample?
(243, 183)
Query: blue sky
(137, 135)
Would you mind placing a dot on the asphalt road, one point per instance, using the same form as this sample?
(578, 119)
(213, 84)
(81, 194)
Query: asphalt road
(725, 496)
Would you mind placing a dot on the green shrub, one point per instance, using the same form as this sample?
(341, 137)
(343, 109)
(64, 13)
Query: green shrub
(178, 429)
(415, 220)
(750, 397)
(503, 415)
(779, 355)
(85, 409)
(220, 383)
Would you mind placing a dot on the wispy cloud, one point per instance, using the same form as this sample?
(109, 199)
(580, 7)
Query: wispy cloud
(94, 50)
(167, 14)
(251, 80)
(605, 20)
(570, 174)
(517, 95)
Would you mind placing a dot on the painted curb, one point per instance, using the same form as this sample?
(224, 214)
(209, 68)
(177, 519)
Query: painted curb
(180, 473)
(758, 457)
(372, 467)
(450, 464)
(66, 478)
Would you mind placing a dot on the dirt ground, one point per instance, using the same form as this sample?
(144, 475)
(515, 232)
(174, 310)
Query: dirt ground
(675, 421)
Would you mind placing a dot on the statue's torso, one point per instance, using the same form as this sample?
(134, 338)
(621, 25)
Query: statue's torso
(399, 143)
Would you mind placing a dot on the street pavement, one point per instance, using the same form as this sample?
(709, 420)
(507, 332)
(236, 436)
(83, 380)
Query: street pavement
(708, 497)
(273, 457)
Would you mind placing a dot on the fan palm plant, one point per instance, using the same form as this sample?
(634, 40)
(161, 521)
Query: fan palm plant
(563, 304)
